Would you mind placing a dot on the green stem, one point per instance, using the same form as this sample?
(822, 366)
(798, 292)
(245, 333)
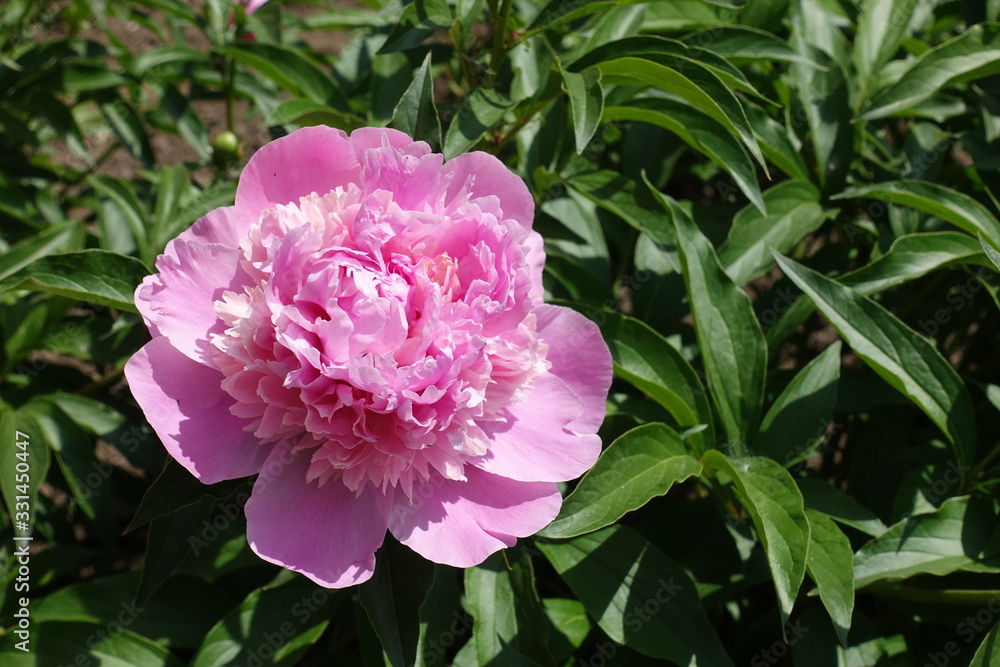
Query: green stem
(229, 80)
(979, 468)
(102, 382)
(512, 132)
(500, 37)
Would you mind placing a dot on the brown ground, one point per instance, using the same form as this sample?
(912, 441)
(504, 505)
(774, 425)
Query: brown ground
(169, 148)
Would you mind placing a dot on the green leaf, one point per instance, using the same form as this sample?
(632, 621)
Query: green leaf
(297, 611)
(509, 622)
(644, 359)
(290, 70)
(92, 416)
(825, 102)
(306, 113)
(419, 20)
(640, 465)
(392, 74)
(842, 508)
(392, 598)
(831, 566)
(169, 617)
(74, 452)
(168, 541)
(988, 653)
(698, 85)
(176, 488)
(22, 442)
(973, 54)
(163, 55)
(906, 360)
(628, 200)
(910, 257)
(133, 212)
(558, 12)
(793, 210)
(953, 538)
(914, 256)
(126, 123)
(637, 595)
(416, 114)
(483, 109)
(959, 209)
(569, 618)
(776, 143)
(740, 44)
(729, 335)
(798, 420)
(86, 75)
(775, 504)
(670, 53)
(187, 121)
(586, 103)
(172, 187)
(698, 131)
(56, 238)
(991, 252)
(97, 276)
(881, 28)
(60, 643)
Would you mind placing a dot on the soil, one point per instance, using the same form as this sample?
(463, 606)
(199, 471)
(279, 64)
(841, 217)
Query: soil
(168, 148)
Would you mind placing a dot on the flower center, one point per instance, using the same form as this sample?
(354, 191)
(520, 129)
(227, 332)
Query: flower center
(366, 334)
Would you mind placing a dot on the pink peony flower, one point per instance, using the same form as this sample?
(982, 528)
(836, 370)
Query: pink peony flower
(252, 5)
(365, 329)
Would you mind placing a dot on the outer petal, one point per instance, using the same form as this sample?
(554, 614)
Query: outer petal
(536, 444)
(312, 159)
(535, 257)
(580, 358)
(365, 138)
(325, 532)
(462, 523)
(551, 435)
(178, 301)
(223, 225)
(254, 5)
(489, 177)
(190, 413)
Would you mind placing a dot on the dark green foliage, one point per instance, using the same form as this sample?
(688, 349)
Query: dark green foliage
(782, 215)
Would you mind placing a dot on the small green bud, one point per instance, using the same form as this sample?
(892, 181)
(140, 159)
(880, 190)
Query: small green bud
(226, 148)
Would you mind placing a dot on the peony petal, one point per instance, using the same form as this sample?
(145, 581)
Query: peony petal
(535, 256)
(365, 138)
(462, 523)
(189, 411)
(325, 532)
(254, 5)
(312, 159)
(225, 226)
(178, 302)
(580, 358)
(536, 444)
(551, 435)
(490, 177)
